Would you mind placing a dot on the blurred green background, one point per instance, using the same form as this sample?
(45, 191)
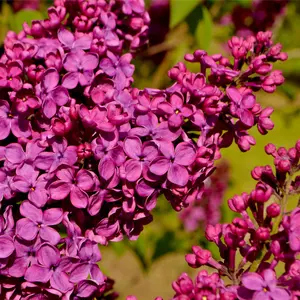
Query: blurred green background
(147, 267)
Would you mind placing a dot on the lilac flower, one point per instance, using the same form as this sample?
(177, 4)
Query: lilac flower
(16, 157)
(27, 181)
(50, 267)
(6, 247)
(67, 38)
(80, 66)
(140, 155)
(293, 228)
(5, 187)
(37, 222)
(25, 99)
(75, 185)
(174, 162)
(176, 110)
(130, 6)
(148, 125)
(84, 289)
(96, 118)
(12, 121)
(120, 69)
(263, 286)
(89, 255)
(240, 105)
(25, 256)
(52, 94)
(10, 75)
(62, 154)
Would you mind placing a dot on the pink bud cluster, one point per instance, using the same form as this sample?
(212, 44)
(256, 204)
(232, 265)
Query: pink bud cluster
(254, 244)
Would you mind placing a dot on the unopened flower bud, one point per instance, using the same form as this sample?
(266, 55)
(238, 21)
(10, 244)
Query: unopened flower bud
(273, 210)
(262, 234)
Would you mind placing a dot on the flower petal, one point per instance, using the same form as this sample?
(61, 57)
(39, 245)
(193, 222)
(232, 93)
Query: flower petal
(31, 212)
(253, 281)
(6, 246)
(78, 197)
(178, 175)
(159, 166)
(36, 273)
(59, 190)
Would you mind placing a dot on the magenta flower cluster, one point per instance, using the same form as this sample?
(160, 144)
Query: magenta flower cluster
(251, 247)
(84, 155)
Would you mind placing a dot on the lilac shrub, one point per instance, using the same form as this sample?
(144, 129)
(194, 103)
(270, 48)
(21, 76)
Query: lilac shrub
(259, 250)
(84, 155)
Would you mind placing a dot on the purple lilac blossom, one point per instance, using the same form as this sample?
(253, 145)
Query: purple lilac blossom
(83, 152)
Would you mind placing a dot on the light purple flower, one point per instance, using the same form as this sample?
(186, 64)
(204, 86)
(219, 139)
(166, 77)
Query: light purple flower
(62, 154)
(67, 38)
(80, 66)
(10, 75)
(37, 222)
(264, 286)
(12, 121)
(89, 256)
(174, 162)
(52, 94)
(118, 68)
(50, 267)
(140, 155)
(241, 105)
(75, 185)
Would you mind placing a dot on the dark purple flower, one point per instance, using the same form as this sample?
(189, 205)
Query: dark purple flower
(293, 228)
(176, 110)
(27, 180)
(149, 125)
(25, 256)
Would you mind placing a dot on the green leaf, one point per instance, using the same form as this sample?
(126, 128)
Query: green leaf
(16, 21)
(180, 9)
(204, 30)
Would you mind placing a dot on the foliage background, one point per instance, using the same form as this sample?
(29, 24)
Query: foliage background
(147, 267)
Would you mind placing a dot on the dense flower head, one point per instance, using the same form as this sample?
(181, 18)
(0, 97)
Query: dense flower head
(253, 245)
(85, 154)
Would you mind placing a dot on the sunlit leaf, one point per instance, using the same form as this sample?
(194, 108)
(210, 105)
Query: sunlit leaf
(16, 21)
(204, 30)
(180, 9)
